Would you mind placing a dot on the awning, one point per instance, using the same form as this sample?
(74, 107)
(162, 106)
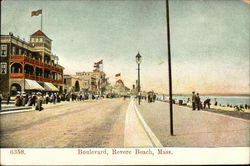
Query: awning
(50, 87)
(32, 85)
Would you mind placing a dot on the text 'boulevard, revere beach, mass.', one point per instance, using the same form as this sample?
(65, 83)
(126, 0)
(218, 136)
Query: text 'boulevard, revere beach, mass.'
(141, 151)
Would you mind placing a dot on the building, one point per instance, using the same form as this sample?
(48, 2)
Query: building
(120, 88)
(29, 66)
(90, 82)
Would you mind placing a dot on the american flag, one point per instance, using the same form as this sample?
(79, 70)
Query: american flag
(36, 13)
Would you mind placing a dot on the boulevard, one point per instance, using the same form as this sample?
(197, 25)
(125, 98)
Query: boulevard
(115, 123)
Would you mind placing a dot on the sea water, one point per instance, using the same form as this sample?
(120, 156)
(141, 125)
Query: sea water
(222, 100)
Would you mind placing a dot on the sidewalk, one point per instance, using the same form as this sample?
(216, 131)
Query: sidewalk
(195, 128)
(11, 108)
(137, 133)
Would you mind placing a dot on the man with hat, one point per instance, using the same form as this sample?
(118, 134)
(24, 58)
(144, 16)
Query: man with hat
(198, 101)
(39, 101)
(193, 100)
(1, 98)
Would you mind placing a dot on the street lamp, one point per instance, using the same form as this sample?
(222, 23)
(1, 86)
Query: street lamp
(138, 61)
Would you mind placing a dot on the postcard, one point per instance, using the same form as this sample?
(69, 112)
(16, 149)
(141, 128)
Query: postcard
(124, 82)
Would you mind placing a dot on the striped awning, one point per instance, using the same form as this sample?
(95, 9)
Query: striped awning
(32, 85)
(50, 87)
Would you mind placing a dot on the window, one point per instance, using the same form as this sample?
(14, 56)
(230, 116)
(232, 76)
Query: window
(3, 68)
(13, 50)
(20, 51)
(3, 50)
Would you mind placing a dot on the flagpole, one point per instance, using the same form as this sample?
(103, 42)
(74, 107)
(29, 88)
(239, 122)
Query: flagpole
(102, 65)
(41, 21)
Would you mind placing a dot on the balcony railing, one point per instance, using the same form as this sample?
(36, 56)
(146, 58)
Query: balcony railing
(16, 75)
(20, 58)
(28, 76)
(33, 77)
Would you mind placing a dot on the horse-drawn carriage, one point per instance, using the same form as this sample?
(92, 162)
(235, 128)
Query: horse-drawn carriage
(151, 96)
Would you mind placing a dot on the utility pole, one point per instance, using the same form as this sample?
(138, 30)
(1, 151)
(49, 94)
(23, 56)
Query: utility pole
(169, 71)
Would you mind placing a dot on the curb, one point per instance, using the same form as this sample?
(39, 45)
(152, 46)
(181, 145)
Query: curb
(11, 110)
(148, 131)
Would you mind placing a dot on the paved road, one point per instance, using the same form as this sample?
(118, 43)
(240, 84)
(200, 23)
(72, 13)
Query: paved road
(115, 123)
(195, 128)
(75, 124)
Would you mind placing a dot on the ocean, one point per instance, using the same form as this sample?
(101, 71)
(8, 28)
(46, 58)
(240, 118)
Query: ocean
(223, 100)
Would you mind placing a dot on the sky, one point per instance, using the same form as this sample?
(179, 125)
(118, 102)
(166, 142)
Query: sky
(209, 40)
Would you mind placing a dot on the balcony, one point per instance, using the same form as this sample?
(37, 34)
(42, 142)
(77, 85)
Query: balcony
(16, 75)
(33, 77)
(23, 58)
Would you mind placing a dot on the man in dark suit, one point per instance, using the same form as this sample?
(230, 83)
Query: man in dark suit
(198, 101)
(1, 98)
(193, 100)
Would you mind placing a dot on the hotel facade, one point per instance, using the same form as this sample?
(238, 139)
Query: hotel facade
(29, 66)
(86, 82)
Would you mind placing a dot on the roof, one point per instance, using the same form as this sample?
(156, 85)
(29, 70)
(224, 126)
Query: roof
(39, 33)
(119, 81)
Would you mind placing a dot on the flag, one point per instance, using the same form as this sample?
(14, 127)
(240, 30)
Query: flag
(117, 75)
(36, 13)
(100, 62)
(96, 65)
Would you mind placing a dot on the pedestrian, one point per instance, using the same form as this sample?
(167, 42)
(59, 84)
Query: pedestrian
(193, 101)
(29, 100)
(215, 102)
(33, 99)
(47, 98)
(8, 99)
(54, 98)
(58, 97)
(23, 99)
(17, 100)
(207, 103)
(39, 102)
(198, 101)
(1, 98)
(154, 97)
(26, 99)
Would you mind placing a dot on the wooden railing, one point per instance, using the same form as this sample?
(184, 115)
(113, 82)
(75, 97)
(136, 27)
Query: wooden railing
(23, 58)
(16, 75)
(33, 77)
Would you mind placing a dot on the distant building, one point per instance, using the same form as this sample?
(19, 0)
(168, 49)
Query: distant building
(120, 88)
(29, 66)
(91, 82)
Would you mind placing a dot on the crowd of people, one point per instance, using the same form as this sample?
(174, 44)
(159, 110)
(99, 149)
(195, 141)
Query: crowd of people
(37, 99)
(197, 104)
(196, 101)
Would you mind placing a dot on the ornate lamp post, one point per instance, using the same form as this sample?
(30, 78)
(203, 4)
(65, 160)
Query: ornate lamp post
(138, 61)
